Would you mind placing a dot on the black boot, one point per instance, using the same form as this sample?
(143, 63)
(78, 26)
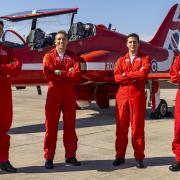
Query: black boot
(73, 161)
(49, 164)
(175, 166)
(140, 164)
(118, 161)
(6, 166)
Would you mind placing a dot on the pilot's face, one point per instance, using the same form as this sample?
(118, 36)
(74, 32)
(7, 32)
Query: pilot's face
(1, 30)
(132, 44)
(61, 42)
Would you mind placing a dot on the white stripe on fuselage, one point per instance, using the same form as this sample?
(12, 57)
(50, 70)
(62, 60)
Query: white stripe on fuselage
(32, 66)
(96, 66)
(100, 66)
(93, 66)
(104, 66)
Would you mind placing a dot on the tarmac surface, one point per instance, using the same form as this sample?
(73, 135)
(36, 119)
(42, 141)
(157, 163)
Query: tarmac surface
(96, 134)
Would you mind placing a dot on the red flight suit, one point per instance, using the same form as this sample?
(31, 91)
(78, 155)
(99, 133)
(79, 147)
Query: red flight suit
(60, 97)
(175, 78)
(131, 103)
(8, 67)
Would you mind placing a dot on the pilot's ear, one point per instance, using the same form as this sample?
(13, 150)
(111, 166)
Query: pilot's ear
(126, 43)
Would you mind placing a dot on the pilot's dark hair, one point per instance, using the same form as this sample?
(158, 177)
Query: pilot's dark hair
(2, 23)
(62, 32)
(133, 35)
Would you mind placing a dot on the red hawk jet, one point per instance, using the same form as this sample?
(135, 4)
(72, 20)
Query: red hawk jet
(29, 35)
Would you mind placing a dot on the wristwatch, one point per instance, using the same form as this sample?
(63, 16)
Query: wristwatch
(57, 72)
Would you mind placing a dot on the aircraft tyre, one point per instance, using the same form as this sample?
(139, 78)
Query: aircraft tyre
(101, 97)
(161, 111)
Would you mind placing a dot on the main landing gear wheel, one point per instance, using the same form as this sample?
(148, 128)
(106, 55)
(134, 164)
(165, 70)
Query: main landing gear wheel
(161, 111)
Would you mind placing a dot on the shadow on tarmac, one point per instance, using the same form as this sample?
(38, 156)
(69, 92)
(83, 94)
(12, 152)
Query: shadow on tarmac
(99, 165)
(102, 118)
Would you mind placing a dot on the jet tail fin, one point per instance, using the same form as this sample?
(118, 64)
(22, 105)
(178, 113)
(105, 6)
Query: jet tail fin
(168, 34)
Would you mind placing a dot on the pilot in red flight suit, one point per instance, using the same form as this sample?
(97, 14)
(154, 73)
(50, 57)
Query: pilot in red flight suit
(8, 67)
(62, 71)
(131, 72)
(175, 78)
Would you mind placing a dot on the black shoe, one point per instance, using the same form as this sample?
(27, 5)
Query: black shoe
(175, 166)
(140, 164)
(6, 166)
(118, 161)
(49, 164)
(73, 161)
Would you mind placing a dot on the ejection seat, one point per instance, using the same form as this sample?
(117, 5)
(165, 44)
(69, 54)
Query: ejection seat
(79, 30)
(49, 39)
(35, 39)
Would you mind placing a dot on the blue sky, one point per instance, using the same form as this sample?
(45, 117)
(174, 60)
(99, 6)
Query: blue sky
(141, 16)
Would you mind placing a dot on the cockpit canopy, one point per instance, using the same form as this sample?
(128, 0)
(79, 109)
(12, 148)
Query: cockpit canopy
(36, 26)
(37, 29)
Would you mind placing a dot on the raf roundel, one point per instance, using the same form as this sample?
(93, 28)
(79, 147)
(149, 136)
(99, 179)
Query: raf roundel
(154, 66)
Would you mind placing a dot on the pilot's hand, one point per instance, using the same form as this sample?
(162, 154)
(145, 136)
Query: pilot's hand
(71, 69)
(57, 72)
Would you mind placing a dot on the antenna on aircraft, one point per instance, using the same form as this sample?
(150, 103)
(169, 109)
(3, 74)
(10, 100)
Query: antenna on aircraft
(34, 11)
